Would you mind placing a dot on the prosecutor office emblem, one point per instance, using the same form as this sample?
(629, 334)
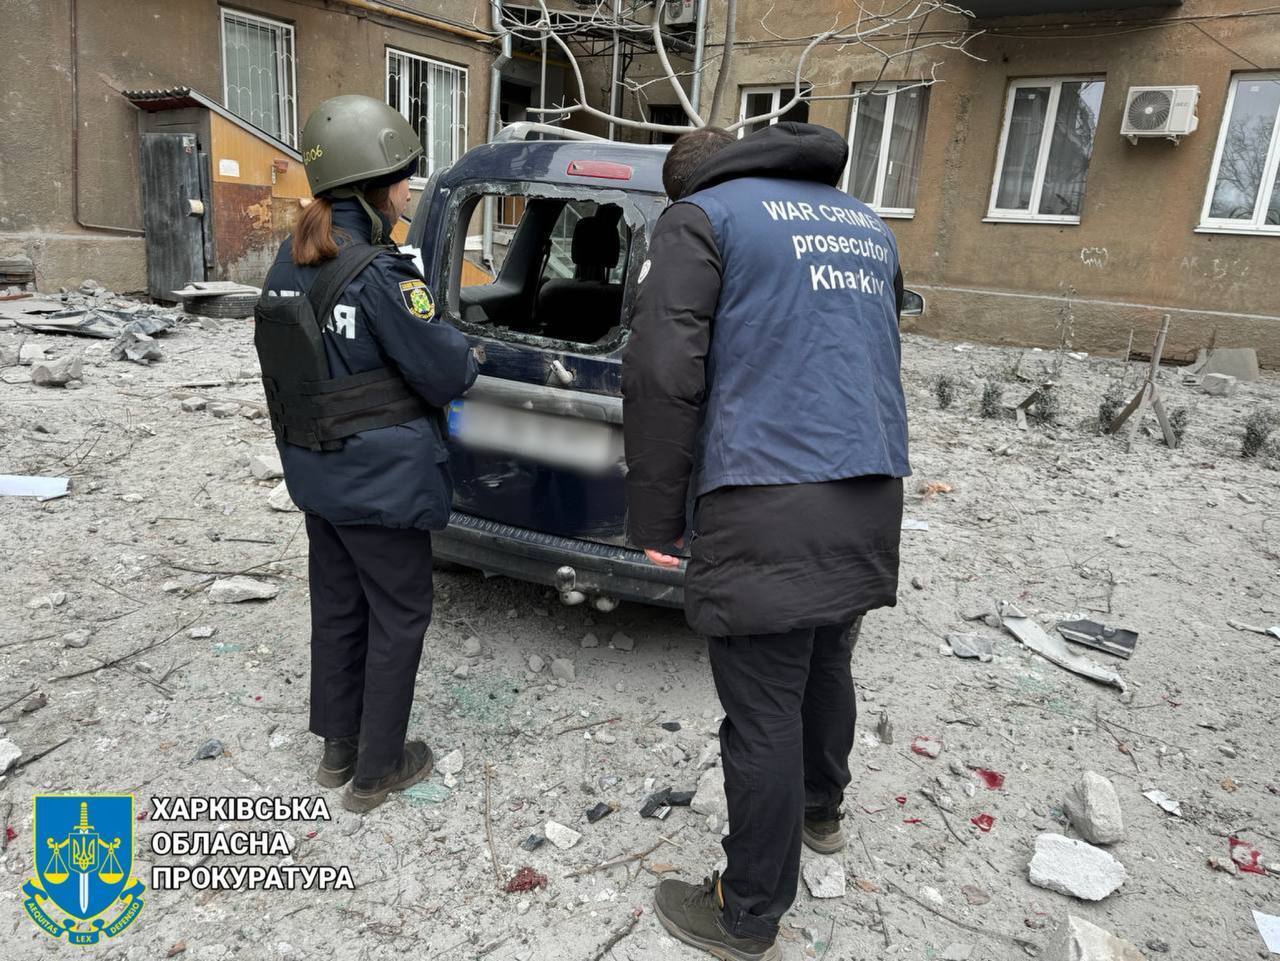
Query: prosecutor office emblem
(84, 885)
(417, 299)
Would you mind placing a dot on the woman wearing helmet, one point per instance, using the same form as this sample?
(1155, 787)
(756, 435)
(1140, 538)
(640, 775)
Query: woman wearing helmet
(357, 371)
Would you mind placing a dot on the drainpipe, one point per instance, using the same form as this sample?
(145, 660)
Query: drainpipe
(613, 70)
(495, 116)
(699, 42)
(75, 140)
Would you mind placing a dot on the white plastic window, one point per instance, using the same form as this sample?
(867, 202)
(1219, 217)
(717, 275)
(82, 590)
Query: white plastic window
(886, 142)
(432, 96)
(1244, 185)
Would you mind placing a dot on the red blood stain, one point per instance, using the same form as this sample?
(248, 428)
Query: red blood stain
(912, 821)
(1246, 860)
(901, 799)
(142, 816)
(257, 697)
(9, 833)
(312, 834)
(994, 780)
(983, 822)
(526, 879)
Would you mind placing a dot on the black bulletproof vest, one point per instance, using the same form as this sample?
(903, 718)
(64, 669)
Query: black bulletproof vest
(308, 406)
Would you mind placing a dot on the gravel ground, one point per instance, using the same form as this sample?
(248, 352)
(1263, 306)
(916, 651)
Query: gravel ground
(1057, 519)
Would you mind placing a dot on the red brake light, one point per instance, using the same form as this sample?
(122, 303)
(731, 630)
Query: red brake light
(600, 169)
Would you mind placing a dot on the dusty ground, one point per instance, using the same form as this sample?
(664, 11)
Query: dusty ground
(1062, 521)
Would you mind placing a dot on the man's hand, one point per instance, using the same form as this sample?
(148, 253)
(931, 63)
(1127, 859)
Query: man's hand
(664, 560)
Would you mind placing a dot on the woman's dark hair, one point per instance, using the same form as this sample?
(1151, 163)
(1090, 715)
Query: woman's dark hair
(313, 241)
(687, 154)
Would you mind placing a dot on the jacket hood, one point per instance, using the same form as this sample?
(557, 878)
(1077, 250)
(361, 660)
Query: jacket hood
(790, 151)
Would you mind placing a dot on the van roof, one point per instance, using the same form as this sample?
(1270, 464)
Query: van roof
(547, 162)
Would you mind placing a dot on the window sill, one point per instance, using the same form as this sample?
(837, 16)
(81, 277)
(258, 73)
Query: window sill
(1051, 221)
(1239, 231)
(895, 214)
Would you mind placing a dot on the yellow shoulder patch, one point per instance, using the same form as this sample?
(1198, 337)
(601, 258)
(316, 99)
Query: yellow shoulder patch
(417, 299)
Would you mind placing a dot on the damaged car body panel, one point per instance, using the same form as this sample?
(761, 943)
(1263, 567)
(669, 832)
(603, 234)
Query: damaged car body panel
(544, 294)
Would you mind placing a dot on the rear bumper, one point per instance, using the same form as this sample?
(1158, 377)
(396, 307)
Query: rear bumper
(598, 569)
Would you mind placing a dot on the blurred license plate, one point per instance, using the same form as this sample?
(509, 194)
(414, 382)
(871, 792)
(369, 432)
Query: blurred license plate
(550, 439)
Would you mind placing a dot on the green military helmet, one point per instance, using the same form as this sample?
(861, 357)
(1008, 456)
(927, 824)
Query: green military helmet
(350, 139)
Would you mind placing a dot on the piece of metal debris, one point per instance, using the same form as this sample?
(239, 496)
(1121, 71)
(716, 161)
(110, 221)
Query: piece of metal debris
(1164, 802)
(1054, 649)
(26, 485)
(1111, 640)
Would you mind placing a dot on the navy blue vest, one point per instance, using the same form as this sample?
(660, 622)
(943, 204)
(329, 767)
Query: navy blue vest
(803, 379)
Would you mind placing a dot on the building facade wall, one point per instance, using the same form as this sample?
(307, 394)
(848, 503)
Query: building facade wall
(141, 44)
(1136, 253)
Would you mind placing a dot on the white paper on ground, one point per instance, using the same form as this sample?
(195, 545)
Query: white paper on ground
(911, 524)
(18, 485)
(1269, 928)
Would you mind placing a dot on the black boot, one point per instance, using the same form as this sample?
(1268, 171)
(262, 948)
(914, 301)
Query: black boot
(339, 761)
(692, 913)
(822, 830)
(366, 794)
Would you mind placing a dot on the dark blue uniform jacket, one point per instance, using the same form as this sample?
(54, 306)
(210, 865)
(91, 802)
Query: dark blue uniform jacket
(390, 476)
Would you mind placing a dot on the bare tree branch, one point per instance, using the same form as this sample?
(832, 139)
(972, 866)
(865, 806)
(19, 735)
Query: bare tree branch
(659, 15)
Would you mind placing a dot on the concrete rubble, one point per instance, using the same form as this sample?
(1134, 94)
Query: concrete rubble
(1094, 809)
(9, 754)
(1219, 385)
(824, 877)
(59, 372)
(562, 669)
(266, 466)
(710, 799)
(1079, 940)
(562, 837)
(279, 499)
(234, 590)
(1075, 868)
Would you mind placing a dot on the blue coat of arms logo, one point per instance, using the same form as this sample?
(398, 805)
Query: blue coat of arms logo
(84, 863)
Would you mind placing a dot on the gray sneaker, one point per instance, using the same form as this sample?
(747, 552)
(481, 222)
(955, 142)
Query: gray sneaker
(692, 913)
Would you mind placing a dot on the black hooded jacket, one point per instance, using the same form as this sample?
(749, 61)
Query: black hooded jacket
(763, 559)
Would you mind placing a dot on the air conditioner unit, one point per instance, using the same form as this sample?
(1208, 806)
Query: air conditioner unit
(1160, 112)
(677, 12)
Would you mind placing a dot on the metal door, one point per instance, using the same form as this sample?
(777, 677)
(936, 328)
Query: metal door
(173, 207)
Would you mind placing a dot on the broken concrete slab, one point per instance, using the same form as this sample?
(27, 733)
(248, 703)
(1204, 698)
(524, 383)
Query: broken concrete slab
(710, 798)
(1218, 385)
(1054, 649)
(78, 638)
(233, 590)
(224, 409)
(622, 642)
(824, 877)
(279, 499)
(193, 404)
(1094, 809)
(562, 837)
(266, 466)
(58, 372)
(971, 645)
(1238, 362)
(1078, 940)
(9, 755)
(1075, 868)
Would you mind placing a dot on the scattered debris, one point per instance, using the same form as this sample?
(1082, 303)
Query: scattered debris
(1269, 928)
(933, 488)
(599, 811)
(1030, 634)
(983, 822)
(1245, 856)
(1112, 640)
(590, 640)
(1164, 802)
(884, 728)
(55, 599)
(975, 895)
(562, 837)
(266, 466)
(234, 590)
(427, 792)
(971, 645)
(926, 746)
(59, 372)
(193, 405)
(536, 664)
(1075, 868)
(824, 877)
(526, 879)
(1094, 809)
(9, 755)
(911, 524)
(201, 633)
(956, 951)
(710, 799)
(621, 642)
(279, 499)
(1238, 362)
(532, 842)
(451, 764)
(472, 646)
(672, 726)
(210, 749)
(78, 638)
(562, 669)
(991, 780)
(1218, 385)
(1269, 631)
(25, 485)
(136, 346)
(1078, 940)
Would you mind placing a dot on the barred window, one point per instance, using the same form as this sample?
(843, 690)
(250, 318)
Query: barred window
(259, 82)
(432, 96)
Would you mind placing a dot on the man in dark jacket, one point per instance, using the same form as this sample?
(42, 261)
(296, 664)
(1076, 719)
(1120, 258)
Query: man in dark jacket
(762, 384)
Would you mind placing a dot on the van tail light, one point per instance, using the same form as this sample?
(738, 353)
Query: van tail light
(600, 169)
